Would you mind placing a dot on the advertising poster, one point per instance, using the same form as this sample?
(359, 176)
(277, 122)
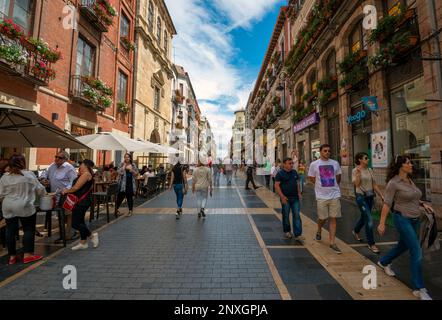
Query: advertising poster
(379, 146)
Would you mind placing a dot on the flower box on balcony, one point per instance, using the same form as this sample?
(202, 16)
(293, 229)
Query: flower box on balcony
(129, 45)
(123, 107)
(92, 92)
(99, 12)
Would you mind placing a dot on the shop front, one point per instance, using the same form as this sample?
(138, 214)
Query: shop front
(307, 137)
(410, 130)
(360, 121)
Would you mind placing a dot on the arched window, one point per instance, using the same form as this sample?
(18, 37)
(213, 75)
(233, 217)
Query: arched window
(312, 82)
(357, 40)
(159, 30)
(330, 64)
(299, 93)
(150, 16)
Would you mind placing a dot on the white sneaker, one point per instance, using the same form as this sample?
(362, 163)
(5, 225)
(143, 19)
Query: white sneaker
(300, 238)
(288, 235)
(95, 240)
(80, 246)
(422, 294)
(387, 269)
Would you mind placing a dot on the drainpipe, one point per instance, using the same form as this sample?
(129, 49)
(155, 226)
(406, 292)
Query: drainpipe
(135, 73)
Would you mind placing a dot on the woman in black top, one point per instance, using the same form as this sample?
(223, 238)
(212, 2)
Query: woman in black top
(179, 184)
(82, 187)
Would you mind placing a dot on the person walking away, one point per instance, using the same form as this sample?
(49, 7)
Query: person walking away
(325, 174)
(365, 188)
(274, 171)
(267, 171)
(127, 174)
(402, 197)
(18, 190)
(287, 187)
(202, 186)
(82, 189)
(228, 170)
(179, 185)
(59, 176)
(301, 172)
(249, 172)
(216, 173)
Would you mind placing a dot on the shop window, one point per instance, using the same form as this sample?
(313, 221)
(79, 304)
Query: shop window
(19, 11)
(410, 130)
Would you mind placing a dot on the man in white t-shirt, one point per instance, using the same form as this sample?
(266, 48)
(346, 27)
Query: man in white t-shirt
(325, 174)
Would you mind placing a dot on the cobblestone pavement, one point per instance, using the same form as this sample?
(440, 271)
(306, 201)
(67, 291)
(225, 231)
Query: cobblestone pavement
(237, 253)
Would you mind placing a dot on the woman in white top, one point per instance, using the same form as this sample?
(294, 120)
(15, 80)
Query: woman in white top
(18, 190)
(202, 185)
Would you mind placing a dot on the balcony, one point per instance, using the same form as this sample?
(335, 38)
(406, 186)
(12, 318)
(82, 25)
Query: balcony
(91, 92)
(21, 57)
(99, 13)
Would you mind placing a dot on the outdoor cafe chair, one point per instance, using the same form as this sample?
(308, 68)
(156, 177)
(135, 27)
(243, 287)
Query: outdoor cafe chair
(106, 197)
(152, 185)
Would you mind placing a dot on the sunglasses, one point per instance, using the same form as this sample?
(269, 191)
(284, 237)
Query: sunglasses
(326, 151)
(57, 157)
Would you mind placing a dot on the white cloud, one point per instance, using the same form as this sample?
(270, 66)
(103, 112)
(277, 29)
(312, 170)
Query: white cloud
(205, 49)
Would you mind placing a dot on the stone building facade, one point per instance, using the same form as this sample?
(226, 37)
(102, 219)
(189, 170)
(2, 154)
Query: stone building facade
(152, 115)
(338, 72)
(89, 37)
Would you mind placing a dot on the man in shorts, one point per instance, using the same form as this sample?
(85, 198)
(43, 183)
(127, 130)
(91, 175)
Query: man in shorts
(325, 174)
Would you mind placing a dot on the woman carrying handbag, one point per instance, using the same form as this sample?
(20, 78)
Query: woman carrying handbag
(365, 191)
(79, 201)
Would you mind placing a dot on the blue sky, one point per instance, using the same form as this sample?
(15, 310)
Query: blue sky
(221, 44)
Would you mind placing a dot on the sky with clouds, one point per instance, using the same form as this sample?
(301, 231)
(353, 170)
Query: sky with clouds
(221, 44)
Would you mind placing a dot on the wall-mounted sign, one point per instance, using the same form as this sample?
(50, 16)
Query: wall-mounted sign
(306, 122)
(358, 117)
(379, 145)
(371, 103)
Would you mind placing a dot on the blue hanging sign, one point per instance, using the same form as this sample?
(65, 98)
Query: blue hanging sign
(371, 103)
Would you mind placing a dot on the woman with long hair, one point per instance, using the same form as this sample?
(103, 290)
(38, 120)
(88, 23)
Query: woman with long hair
(402, 197)
(82, 187)
(18, 190)
(127, 174)
(365, 189)
(178, 182)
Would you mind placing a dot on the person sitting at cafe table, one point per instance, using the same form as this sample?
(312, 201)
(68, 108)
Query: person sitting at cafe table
(59, 176)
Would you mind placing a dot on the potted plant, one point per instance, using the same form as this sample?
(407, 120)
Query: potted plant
(13, 53)
(129, 45)
(123, 107)
(11, 30)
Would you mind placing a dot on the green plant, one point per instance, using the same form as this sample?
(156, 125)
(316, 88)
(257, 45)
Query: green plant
(387, 25)
(123, 107)
(354, 76)
(308, 96)
(127, 43)
(348, 62)
(43, 49)
(13, 53)
(11, 30)
(41, 70)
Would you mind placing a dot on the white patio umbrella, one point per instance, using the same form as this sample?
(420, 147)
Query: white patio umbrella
(109, 141)
(169, 150)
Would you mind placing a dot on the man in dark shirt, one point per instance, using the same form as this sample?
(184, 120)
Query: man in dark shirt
(287, 187)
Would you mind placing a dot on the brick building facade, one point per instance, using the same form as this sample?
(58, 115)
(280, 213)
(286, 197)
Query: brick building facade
(91, 89)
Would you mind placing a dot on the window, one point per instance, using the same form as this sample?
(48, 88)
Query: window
(182, 89)
(166, 41)
(20, 11)
(357, 40)
(122, 87)
(157, 98)
(159, 30)
(85, 58)
(312, 82)
(299, 93)
(330, 64)
(150, 16)
(124, 27)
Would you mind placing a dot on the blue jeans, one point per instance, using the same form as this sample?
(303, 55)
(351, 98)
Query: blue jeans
(365, 205)
(179, 191)
(293, 205)
(408, 240)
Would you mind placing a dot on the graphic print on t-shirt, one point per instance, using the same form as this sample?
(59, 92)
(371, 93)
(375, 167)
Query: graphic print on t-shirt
(327, 175)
